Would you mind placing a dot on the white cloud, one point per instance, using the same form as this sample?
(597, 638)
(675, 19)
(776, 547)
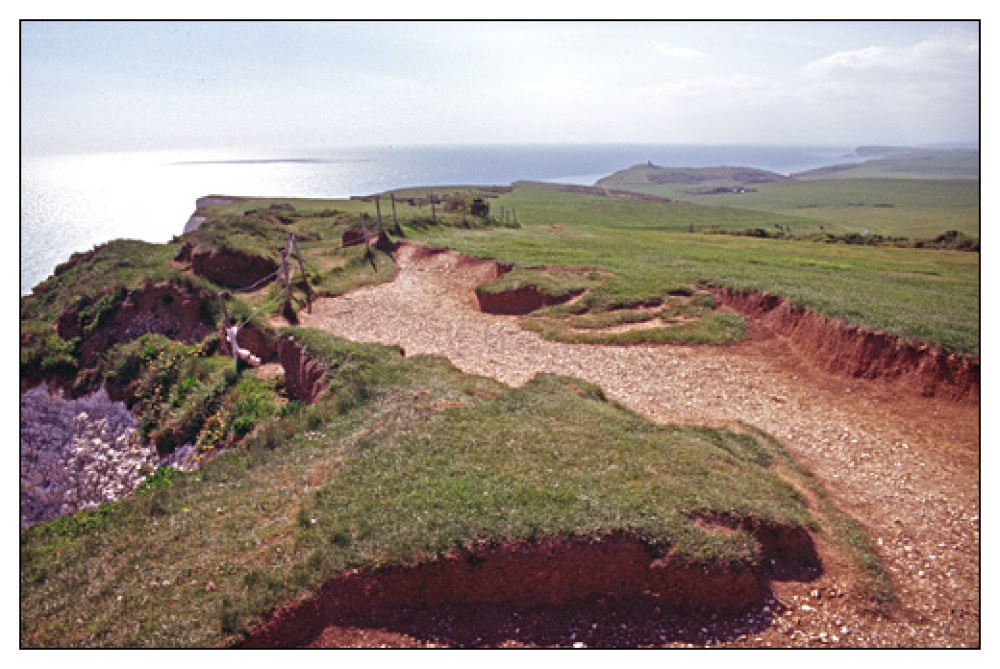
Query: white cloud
(951, 55)
(847, 62)
(914, 90)
(679, 52)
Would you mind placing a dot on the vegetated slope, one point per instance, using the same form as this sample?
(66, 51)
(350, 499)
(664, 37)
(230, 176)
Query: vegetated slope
(405, 459)
(911, 208)
(917, 195)
(690, 177)
(239, 529)
(903, 164)
(124, 289)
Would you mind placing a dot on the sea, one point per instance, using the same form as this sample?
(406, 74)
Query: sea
(73, 202)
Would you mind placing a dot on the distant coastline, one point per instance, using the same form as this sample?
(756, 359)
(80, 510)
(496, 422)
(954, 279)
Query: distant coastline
(256, 161)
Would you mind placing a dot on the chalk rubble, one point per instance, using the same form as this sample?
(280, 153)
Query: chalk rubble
(77, 454)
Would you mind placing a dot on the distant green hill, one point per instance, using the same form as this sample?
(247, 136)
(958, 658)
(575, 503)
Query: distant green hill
(690, 180)
(903, 164)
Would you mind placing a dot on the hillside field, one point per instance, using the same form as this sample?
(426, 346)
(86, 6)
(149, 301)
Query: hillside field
(911, 195)
(404, 460)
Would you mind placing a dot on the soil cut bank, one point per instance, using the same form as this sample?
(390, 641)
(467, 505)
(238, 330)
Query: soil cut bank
(860, 353)
(545, 576)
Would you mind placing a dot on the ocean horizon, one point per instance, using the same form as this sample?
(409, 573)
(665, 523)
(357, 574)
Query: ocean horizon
(74, 202)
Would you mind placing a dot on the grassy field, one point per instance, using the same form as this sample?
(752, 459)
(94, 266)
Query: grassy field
(409, 459)
(923, 295)
(891, 207)
(541, 204)
(908, 196)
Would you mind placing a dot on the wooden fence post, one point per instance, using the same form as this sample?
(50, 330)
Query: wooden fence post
(302, 268)
(368, 246)
(433, 210)
(288, 278)
(395, 221)
(378, 214)
(228, 334)
(364, 231)
(225, 317)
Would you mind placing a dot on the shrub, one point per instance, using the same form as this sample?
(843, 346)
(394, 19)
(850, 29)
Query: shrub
(953, 239)
(44, 350)
(479, 208)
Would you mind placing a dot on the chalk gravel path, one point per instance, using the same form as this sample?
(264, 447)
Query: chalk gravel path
(906, 467)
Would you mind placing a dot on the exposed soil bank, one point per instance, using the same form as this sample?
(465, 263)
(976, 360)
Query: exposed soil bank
(258, 343)
(304, 377)
(833, 346)
(518, 302)
(485, 269)
(173, 310)
(230, 268)
(859, 353)
(550, 573)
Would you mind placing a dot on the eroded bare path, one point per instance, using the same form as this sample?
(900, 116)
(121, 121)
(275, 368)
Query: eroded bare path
(906, 467)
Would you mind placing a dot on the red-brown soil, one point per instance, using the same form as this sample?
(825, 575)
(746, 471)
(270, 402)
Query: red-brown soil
(169, 309)
(903, 464)
(231, 268)
(859, 353)
(304, 377)
(543, 576)
(517, 302)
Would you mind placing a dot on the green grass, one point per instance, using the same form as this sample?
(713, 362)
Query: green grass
(317, 217)
(546, 205)
(709, 329)
(408, 458)
(348, 269)
(558, 284)
(510, 469)
(920, 209)
(908, 164)
(921, 295)
(682, 319)
(122, 262)
(254, 235)
(876, 197)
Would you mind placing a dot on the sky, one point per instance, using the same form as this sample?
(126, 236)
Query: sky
(152, 85)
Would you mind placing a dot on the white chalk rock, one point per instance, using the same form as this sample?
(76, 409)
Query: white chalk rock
(72, 454)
